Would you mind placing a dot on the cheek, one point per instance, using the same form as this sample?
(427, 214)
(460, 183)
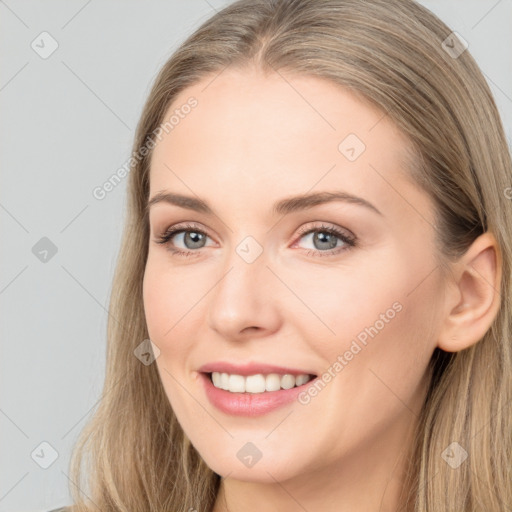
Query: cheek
(166, 301)
(376, 325)
(398, 338)
(375, 363)
(172, 306)
(337, 304)
(155, 302)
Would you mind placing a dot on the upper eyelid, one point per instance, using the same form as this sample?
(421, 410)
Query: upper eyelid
(182, 226)
(177, 228)
(327, 226)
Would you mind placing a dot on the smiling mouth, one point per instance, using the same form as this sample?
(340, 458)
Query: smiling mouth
(257, 383)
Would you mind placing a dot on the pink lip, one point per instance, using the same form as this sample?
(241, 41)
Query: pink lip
(249, 369)
(249, 404)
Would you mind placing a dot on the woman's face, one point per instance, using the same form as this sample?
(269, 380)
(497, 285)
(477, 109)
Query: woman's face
(347, 290)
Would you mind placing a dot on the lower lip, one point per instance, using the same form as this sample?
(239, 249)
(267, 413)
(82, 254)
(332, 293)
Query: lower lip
(249, 404)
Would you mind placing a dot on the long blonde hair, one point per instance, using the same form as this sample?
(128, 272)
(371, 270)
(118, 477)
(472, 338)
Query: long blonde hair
(133, 453)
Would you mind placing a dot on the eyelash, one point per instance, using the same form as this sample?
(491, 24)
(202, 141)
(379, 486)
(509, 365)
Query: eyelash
(349, 241)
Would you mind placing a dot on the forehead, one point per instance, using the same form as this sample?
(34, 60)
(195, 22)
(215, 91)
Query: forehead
(282, 133)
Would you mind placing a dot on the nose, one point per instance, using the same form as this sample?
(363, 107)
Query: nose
(243, 302)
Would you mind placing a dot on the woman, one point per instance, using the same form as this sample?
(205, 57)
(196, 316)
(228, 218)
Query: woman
(244, 372)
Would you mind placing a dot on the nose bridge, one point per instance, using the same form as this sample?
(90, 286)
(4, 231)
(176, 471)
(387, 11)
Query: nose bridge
(242, 295)
(245, 267)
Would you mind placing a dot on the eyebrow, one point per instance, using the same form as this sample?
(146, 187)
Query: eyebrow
(282, 207)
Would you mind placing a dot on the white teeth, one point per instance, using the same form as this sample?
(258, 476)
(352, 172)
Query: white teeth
(273, 382)
(255, 383)
(288, 381)
(236, 384)
(258, 383)
(301, 379)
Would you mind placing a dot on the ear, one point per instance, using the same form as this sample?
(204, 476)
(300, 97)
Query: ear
(472, 298)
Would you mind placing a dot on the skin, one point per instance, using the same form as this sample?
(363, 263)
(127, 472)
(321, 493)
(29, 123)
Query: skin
(254, 139)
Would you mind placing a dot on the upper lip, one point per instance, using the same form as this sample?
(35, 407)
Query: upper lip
(250, 369)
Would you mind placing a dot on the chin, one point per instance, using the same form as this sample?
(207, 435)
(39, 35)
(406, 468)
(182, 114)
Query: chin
(241, 461)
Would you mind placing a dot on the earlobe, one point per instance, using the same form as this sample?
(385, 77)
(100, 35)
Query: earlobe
(473, 300)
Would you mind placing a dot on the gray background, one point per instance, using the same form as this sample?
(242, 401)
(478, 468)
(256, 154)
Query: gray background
(67, 125)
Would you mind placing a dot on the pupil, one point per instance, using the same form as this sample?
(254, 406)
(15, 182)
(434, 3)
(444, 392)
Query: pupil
(194, 237)
(324, 237)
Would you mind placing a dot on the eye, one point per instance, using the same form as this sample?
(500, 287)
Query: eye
(325, 240)
(193, 238)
